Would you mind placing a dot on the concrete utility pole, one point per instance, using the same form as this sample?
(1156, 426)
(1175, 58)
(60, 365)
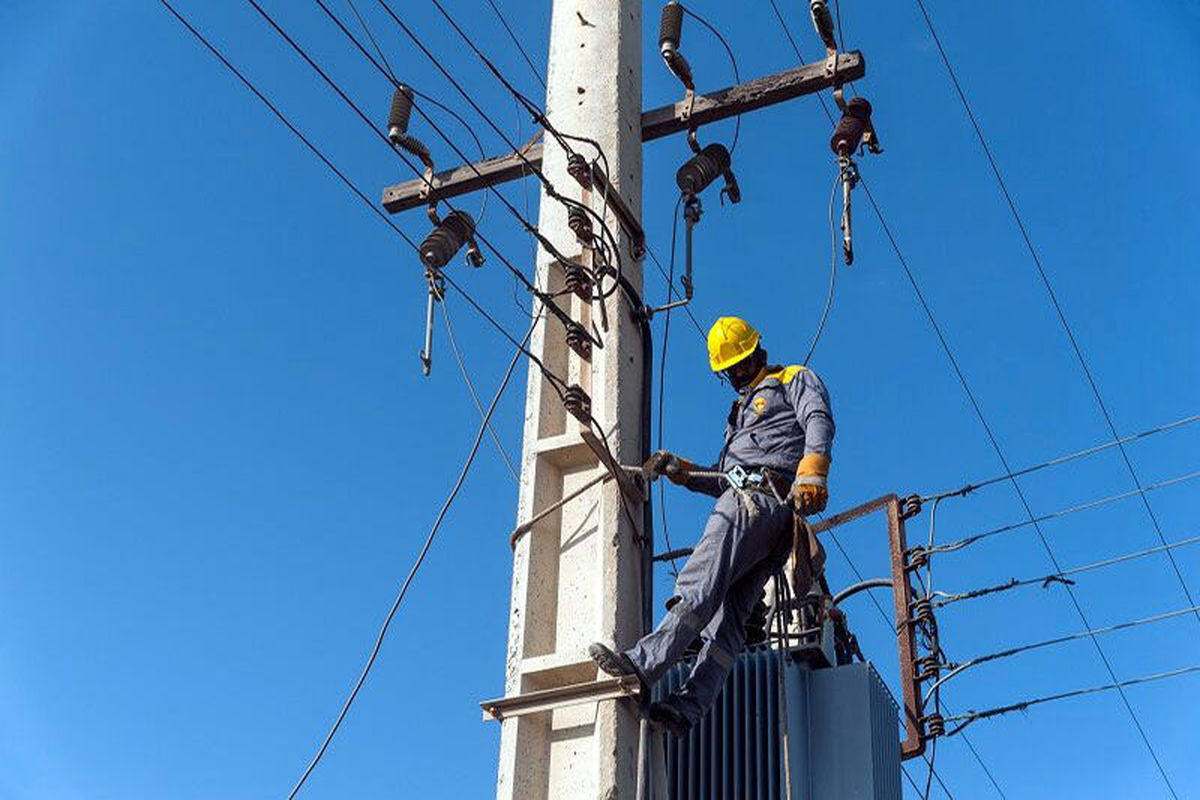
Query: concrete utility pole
(577, 574)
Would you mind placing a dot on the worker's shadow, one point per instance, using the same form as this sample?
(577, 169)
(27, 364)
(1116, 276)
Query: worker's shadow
(586, 528)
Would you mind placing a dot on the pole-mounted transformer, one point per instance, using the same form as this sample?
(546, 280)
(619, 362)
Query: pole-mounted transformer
(448, 235)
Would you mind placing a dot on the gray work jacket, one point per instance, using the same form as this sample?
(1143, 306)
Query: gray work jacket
(773, 424)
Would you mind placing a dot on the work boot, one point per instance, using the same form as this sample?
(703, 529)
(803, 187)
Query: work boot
(669, 718)
(615, 664)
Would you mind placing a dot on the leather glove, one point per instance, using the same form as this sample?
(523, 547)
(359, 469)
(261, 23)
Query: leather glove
(809, 493)
(666, 463)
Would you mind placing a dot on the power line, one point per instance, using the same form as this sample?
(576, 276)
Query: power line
(287, 123)
(812, 347)
(466, 374)
(951, 547)
(528, 61)
(1060, 577)
(539, 115)
(279, 115)
(933, 322)
(367, 30)
(557, 384)
(1063, 459)
(526, 165)
(958, 669)
(375, 648)
(971, 716)
(524, 222)
(545, 299)
(662, 380)
(464, 470)
(993, 440)
(1058, 309)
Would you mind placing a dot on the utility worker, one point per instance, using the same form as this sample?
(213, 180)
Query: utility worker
(781, 427)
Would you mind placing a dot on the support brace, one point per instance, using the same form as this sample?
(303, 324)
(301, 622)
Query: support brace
(561, 697)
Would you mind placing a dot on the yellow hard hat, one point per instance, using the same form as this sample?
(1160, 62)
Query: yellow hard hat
(730, 339)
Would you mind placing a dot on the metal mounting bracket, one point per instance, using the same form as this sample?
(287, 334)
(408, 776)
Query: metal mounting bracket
(910, 682)
(560, 697)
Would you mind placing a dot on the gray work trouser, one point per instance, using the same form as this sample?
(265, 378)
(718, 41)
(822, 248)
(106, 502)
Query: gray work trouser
(740, 549)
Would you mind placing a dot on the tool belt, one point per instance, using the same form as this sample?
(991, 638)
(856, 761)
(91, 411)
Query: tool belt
(760, 479)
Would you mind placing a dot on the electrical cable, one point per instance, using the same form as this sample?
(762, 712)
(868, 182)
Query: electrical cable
(541, 296)
(972, 716)
(387, 621)
(279, 115)
(547, 186)
(466, 374)
(482, 153)
(525, 223)
(503, 21)
(391, 73)
(833, 243)
(554, 380)
(520, 350)
(959, 544)
(1060, 577)
(929, 776)
(631, 295)
(471, 455)
(861, 586)
(1133, 716)
(662, 380)
(1062, 317)
(931, 642)
(1053, 297)
(937, 329)
(378, 50)
(1063, 459)
(737, 76)
(958, 669)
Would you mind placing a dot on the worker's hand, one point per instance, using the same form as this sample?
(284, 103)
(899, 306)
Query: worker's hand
(808, 499)
(669, 464)
(809, 493)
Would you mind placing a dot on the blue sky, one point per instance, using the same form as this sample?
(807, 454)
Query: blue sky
(220, 456)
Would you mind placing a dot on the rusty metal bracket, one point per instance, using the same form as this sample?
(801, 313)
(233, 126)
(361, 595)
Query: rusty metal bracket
(656, 123)
(560, 697)
(902, 595)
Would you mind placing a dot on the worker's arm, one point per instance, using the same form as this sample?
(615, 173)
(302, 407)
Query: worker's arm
(679, 472)
(810, 400)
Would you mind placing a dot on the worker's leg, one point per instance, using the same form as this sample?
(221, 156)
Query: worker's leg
(725, 635)
(734, 542)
